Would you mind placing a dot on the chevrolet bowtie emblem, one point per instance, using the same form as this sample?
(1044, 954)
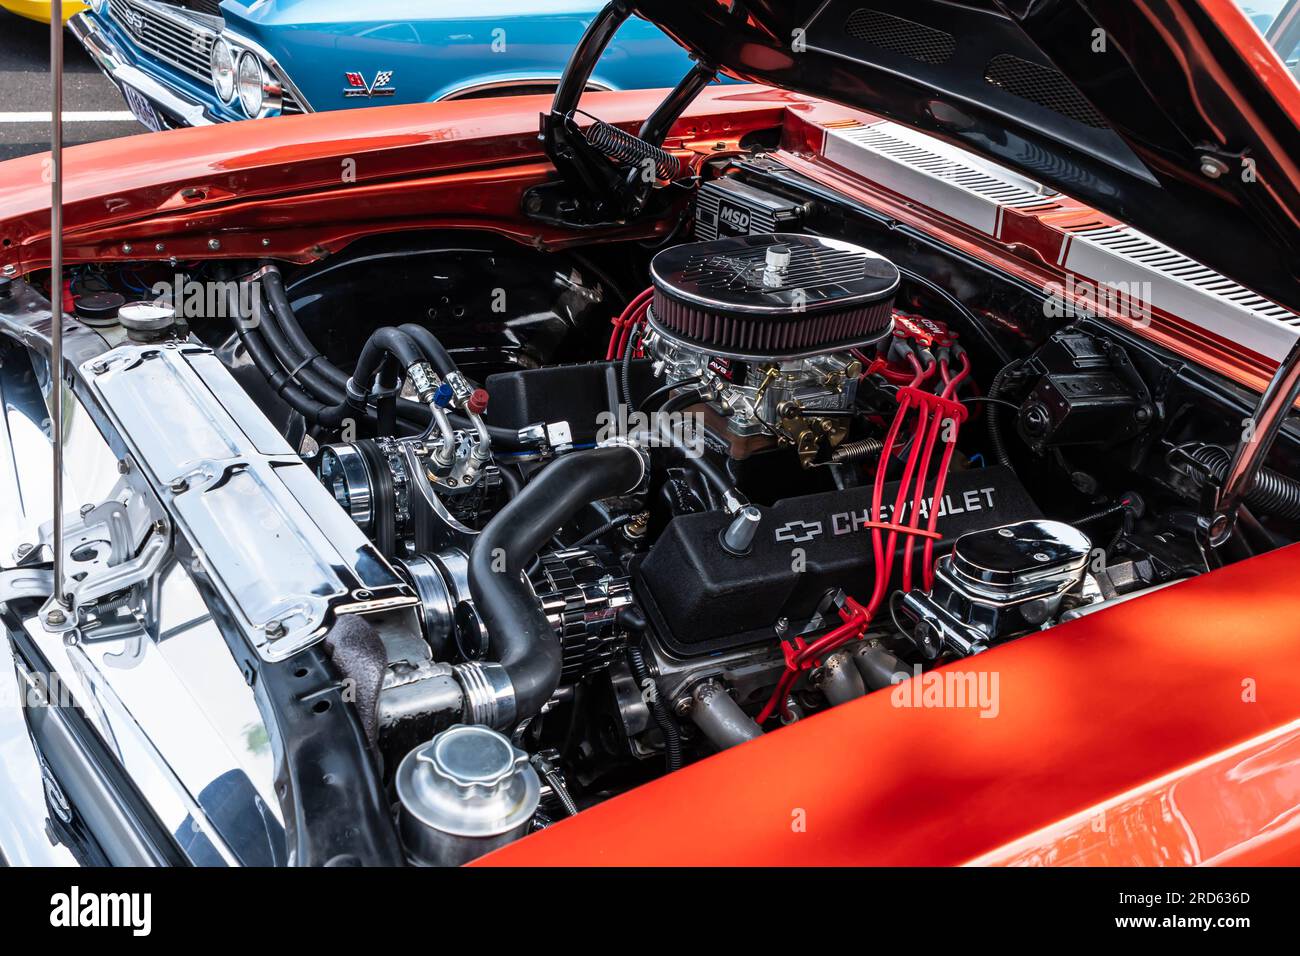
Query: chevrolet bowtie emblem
(798, 531)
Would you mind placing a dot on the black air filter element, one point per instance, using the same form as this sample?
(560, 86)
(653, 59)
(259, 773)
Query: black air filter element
(772, 296)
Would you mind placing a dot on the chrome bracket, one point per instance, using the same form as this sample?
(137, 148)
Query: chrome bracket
(115, 546)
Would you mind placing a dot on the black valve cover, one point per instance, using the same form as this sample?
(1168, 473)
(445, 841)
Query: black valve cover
(703, 599)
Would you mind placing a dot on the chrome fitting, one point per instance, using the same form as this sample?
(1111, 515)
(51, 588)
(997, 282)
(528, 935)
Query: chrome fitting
(424, 380)
(489, 695)
(738, 537)
(461, 390)
(533, 436)
(356, 395)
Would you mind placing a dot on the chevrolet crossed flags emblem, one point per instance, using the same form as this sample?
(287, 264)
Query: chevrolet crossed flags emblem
(798, 531)
(380, 86)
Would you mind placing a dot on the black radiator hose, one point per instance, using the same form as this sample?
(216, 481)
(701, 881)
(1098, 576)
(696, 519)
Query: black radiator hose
(382, 341)
(1273, 493)
(326, 382)
(302, 349)
(429, 344)
(285, 357)
(329, 413)
(288, 358)
(519, 635)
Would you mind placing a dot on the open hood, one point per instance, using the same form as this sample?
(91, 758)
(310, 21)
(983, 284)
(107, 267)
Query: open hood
(1172, 115)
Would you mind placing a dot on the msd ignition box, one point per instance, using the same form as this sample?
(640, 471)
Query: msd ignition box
(729, 207)
(702, 598)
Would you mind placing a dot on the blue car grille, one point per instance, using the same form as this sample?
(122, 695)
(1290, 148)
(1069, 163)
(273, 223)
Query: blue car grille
(174, 40)
(211, 7)
(179, 41)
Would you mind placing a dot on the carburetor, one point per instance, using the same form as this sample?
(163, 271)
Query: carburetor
(765, 327)
(758, 403)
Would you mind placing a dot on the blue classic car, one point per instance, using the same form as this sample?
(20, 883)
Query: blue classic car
(195, 62)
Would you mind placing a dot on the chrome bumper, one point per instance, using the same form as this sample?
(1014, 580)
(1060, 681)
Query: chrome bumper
(117, 65)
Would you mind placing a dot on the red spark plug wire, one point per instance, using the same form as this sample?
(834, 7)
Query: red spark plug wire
(949, 394)
(947, 410)
(937, 427)
(933, 411)
(631, 316)
(918, 498)
(801, 657)
(964, 373)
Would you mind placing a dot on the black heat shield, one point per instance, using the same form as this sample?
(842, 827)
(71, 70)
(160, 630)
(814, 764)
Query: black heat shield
(1126, 129)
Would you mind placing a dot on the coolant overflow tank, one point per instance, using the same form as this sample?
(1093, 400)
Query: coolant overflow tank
(464, 793)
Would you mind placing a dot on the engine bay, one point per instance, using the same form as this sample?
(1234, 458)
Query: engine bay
(552, 520)
(625, 506)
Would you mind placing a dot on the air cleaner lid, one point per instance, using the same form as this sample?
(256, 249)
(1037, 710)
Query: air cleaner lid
(777, 295)
(773, 274)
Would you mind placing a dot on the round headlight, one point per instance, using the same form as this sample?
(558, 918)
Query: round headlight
(251, 83)
(222, 65)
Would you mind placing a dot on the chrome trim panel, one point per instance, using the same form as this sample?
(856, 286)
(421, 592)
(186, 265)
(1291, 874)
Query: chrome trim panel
(1183, 287)
(158, 687)
(494, 87)
(163, 694)
(25, 482)
(78, 666)
(274, 542)
(968, 189)
(933, 174)
(123, 837)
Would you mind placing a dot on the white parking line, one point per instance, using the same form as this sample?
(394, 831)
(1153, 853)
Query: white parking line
(90, 116)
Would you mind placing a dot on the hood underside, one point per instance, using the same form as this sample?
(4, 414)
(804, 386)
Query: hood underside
(1171, 115)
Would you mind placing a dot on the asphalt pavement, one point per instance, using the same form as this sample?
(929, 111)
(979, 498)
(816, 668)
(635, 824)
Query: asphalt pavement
(93, 108)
